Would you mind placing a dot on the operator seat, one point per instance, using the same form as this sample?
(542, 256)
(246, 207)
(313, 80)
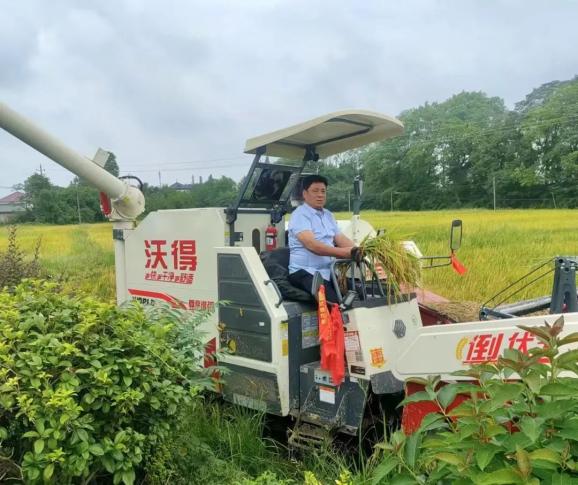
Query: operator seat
(276, 264)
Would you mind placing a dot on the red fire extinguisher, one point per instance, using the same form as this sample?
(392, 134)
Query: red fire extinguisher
(271, 238)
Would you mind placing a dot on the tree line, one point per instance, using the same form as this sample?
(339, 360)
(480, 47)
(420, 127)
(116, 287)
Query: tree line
(468, 151)
(471, 151)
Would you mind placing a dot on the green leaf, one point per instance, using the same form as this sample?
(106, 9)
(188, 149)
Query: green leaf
(531, 427)
(484, 455)
(523, 460)
(568, 339)
(82, 434)
(569, 432)
(503, 476)
(568, 357)
(553, 409)
(557, 389)
(402, 480)
(450, 458)
(383, 469)
(3, 433)
(546, 454)
(534, 381)
(411, 448)
(562, 479)
(432, 421)
(48, 472)
(434, 443)
(128, 477)
(446, 395)
(464, 409)
(127, 380)
(416, 397)
(495, 429)
(502, 392)
(33, 473)
(38, 446)
(109, 464)
(96, 449)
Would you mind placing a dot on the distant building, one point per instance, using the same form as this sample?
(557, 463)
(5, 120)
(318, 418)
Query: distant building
(179, 186)
(11, 206)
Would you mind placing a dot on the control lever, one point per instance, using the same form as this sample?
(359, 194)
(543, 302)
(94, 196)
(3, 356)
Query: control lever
(349, 299)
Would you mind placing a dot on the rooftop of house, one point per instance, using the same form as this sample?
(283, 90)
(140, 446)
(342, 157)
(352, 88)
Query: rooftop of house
(14, 198)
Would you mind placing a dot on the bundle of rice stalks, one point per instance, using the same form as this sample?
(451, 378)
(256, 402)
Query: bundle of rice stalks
(387, 256)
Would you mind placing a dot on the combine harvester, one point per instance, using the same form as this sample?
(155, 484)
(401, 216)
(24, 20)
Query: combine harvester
(193, 258)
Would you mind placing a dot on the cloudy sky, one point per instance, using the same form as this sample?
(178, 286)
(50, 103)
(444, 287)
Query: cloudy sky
(178, 86)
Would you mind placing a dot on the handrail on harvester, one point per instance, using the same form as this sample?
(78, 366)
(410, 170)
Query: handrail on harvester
(127, 201)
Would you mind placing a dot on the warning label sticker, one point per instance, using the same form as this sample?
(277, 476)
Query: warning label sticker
(377, 359)
(309, 330)
(353, 348)
(327, 394)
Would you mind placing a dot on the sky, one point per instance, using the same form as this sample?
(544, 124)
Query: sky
(177, 86)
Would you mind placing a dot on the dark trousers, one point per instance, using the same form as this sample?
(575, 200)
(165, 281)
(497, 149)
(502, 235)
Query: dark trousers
(304, 280)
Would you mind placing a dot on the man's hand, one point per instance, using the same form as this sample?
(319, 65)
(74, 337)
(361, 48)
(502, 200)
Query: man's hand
(356, 254)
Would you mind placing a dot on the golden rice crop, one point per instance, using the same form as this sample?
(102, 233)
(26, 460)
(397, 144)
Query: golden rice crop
(386, 253)
(388, 259)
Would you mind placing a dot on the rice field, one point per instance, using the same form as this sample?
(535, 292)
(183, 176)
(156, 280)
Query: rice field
(498, 248)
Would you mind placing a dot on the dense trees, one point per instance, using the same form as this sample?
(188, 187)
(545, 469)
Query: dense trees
(458, 153)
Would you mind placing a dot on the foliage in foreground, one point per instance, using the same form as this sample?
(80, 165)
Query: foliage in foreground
(216, 442)
(507, 432)
(13, 263)
(86, 388)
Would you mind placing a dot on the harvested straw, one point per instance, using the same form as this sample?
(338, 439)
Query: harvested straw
(458, 311)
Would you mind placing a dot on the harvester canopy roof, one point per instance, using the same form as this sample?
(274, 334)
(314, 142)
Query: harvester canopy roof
(327, 135)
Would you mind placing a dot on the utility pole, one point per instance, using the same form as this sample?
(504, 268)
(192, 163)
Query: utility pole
(348, 201)
(494, 187)
(41, 170)
(78, 202)
(160, 183)
(391, 201)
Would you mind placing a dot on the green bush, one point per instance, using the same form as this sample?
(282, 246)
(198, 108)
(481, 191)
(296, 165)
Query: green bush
(520, 425)
(13, 265)
(87, 389)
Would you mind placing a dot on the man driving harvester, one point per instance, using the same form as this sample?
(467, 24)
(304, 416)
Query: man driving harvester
(315, 238)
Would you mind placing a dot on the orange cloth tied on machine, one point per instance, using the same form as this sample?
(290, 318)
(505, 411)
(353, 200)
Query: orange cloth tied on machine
(331, 338)
(457, 265)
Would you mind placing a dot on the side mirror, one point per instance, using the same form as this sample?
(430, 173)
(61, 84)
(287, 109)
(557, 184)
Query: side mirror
(456, 235)
(317, 282)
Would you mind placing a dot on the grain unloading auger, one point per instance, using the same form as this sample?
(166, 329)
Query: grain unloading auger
(192, 258)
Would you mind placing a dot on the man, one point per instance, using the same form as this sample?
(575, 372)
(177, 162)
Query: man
(315, 239)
